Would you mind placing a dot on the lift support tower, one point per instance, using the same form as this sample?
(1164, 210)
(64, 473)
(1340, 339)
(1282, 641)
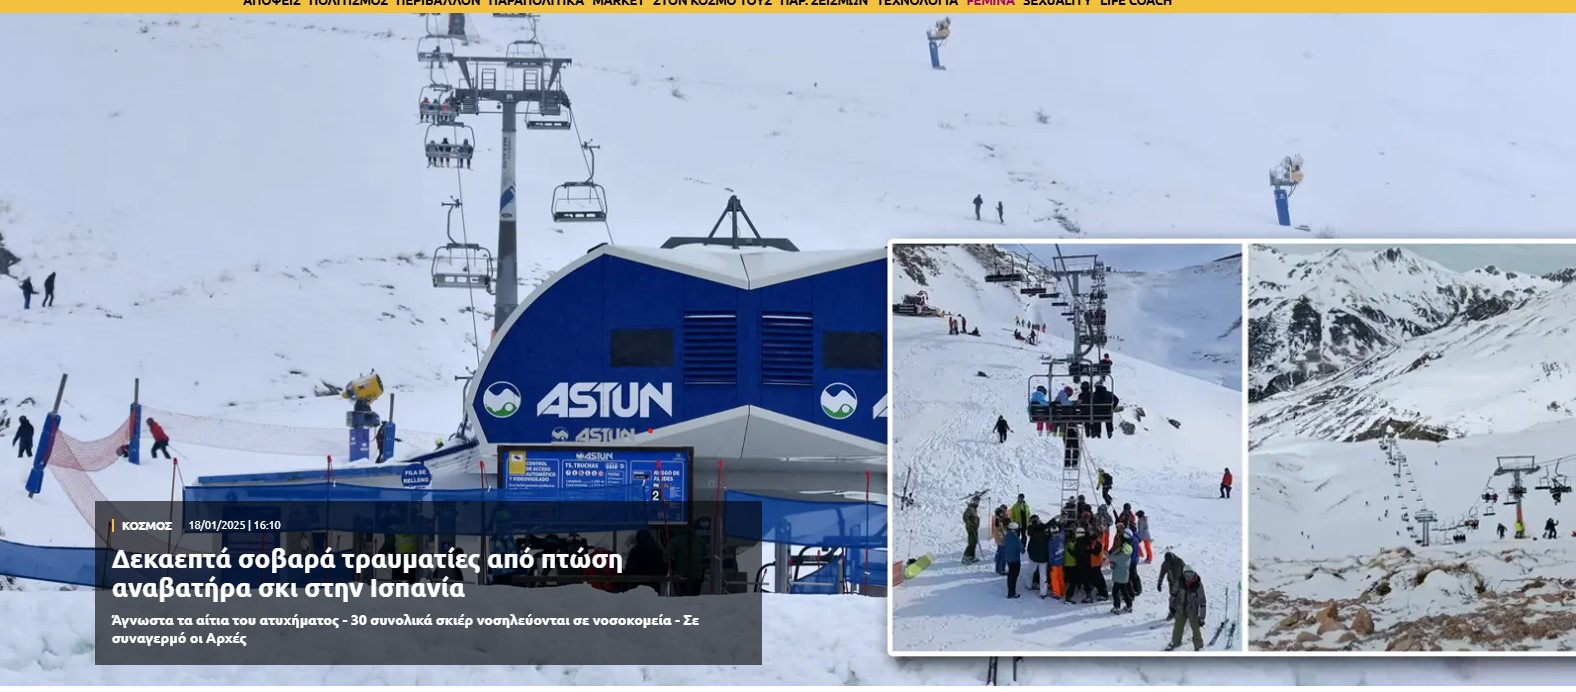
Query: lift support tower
(510, 82)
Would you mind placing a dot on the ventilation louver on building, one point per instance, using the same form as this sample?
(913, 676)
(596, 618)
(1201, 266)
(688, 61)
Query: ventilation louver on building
(787, 349)
(711, 348)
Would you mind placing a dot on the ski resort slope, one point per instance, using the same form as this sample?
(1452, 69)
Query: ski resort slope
(1184, 319)
(848, 135)
(1504, 373)
(1316, 499)
(944, 450)
(1321, 535)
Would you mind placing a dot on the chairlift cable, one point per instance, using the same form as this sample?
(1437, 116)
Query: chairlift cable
(574, 123)
(470, 291)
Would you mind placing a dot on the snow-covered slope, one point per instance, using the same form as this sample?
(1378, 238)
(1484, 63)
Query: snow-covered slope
(943, 451)
(1388, 336)
(1328, 527)
(1189, 320)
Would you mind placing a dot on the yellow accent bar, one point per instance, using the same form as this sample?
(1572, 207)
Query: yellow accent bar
(1031, 7)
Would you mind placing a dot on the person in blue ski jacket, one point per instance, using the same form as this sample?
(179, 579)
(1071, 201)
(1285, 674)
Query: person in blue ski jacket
(1064, 397)
(1041, 399)
(1012, 549)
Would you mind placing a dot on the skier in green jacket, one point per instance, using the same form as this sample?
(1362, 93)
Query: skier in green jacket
(971, 527)
(1020, 514)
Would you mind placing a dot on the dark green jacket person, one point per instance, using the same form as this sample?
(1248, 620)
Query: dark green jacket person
(971, 526)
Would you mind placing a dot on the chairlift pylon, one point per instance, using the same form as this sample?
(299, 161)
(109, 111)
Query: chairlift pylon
(584, 200)
(456, 148)
(461, 265)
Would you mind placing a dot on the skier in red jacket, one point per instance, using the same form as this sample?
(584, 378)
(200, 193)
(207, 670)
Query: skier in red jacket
(1225, 485)
(161, 440)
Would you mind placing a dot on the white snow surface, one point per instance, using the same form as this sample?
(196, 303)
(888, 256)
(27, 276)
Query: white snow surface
(944, 450)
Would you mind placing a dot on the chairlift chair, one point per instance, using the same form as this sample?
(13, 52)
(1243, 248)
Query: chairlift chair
(435, 50)
(437, 25)
(454, 151)
(461, 265)
(1031, 290)
(1011, 276)
(581, 200)
(524, 49)
(430, 106)
(549, 116)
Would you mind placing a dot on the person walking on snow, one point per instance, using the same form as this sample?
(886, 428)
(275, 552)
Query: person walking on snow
(1171, 569)
(49, 291)
(161, 441)
(1019, 514)
(1521, 529)
(1501, 532)
(1013, 548)
(963, 323)
(1549, 528)
(1190, 611)
(1002, 429)
(1105, 482)
(1000, 214)
(1225, 485)
(978, 202)
(971, 530)
(23, 439)
(1121, 572)
(27, 293)
(952, 325)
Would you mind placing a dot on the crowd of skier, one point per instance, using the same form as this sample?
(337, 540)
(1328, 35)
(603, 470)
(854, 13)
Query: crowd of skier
(1095, 558)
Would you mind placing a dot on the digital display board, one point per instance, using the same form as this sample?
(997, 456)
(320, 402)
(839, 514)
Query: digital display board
(661, 477)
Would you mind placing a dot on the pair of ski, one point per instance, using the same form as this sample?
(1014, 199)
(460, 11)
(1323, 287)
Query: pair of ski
(1228, 624)
(990, 670)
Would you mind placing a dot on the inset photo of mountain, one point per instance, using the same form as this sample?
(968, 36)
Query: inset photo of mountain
(1066, 438)
(1412, 427)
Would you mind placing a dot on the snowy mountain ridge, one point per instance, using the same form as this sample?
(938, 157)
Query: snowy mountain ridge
(1389, 334)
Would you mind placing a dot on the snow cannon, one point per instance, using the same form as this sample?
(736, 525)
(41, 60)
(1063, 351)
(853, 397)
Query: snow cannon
(362, 419)
(365, 389)
(1285, 178)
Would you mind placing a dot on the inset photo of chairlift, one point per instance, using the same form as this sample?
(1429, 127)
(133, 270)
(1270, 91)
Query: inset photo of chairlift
(1412, 434)
(1066, 430)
